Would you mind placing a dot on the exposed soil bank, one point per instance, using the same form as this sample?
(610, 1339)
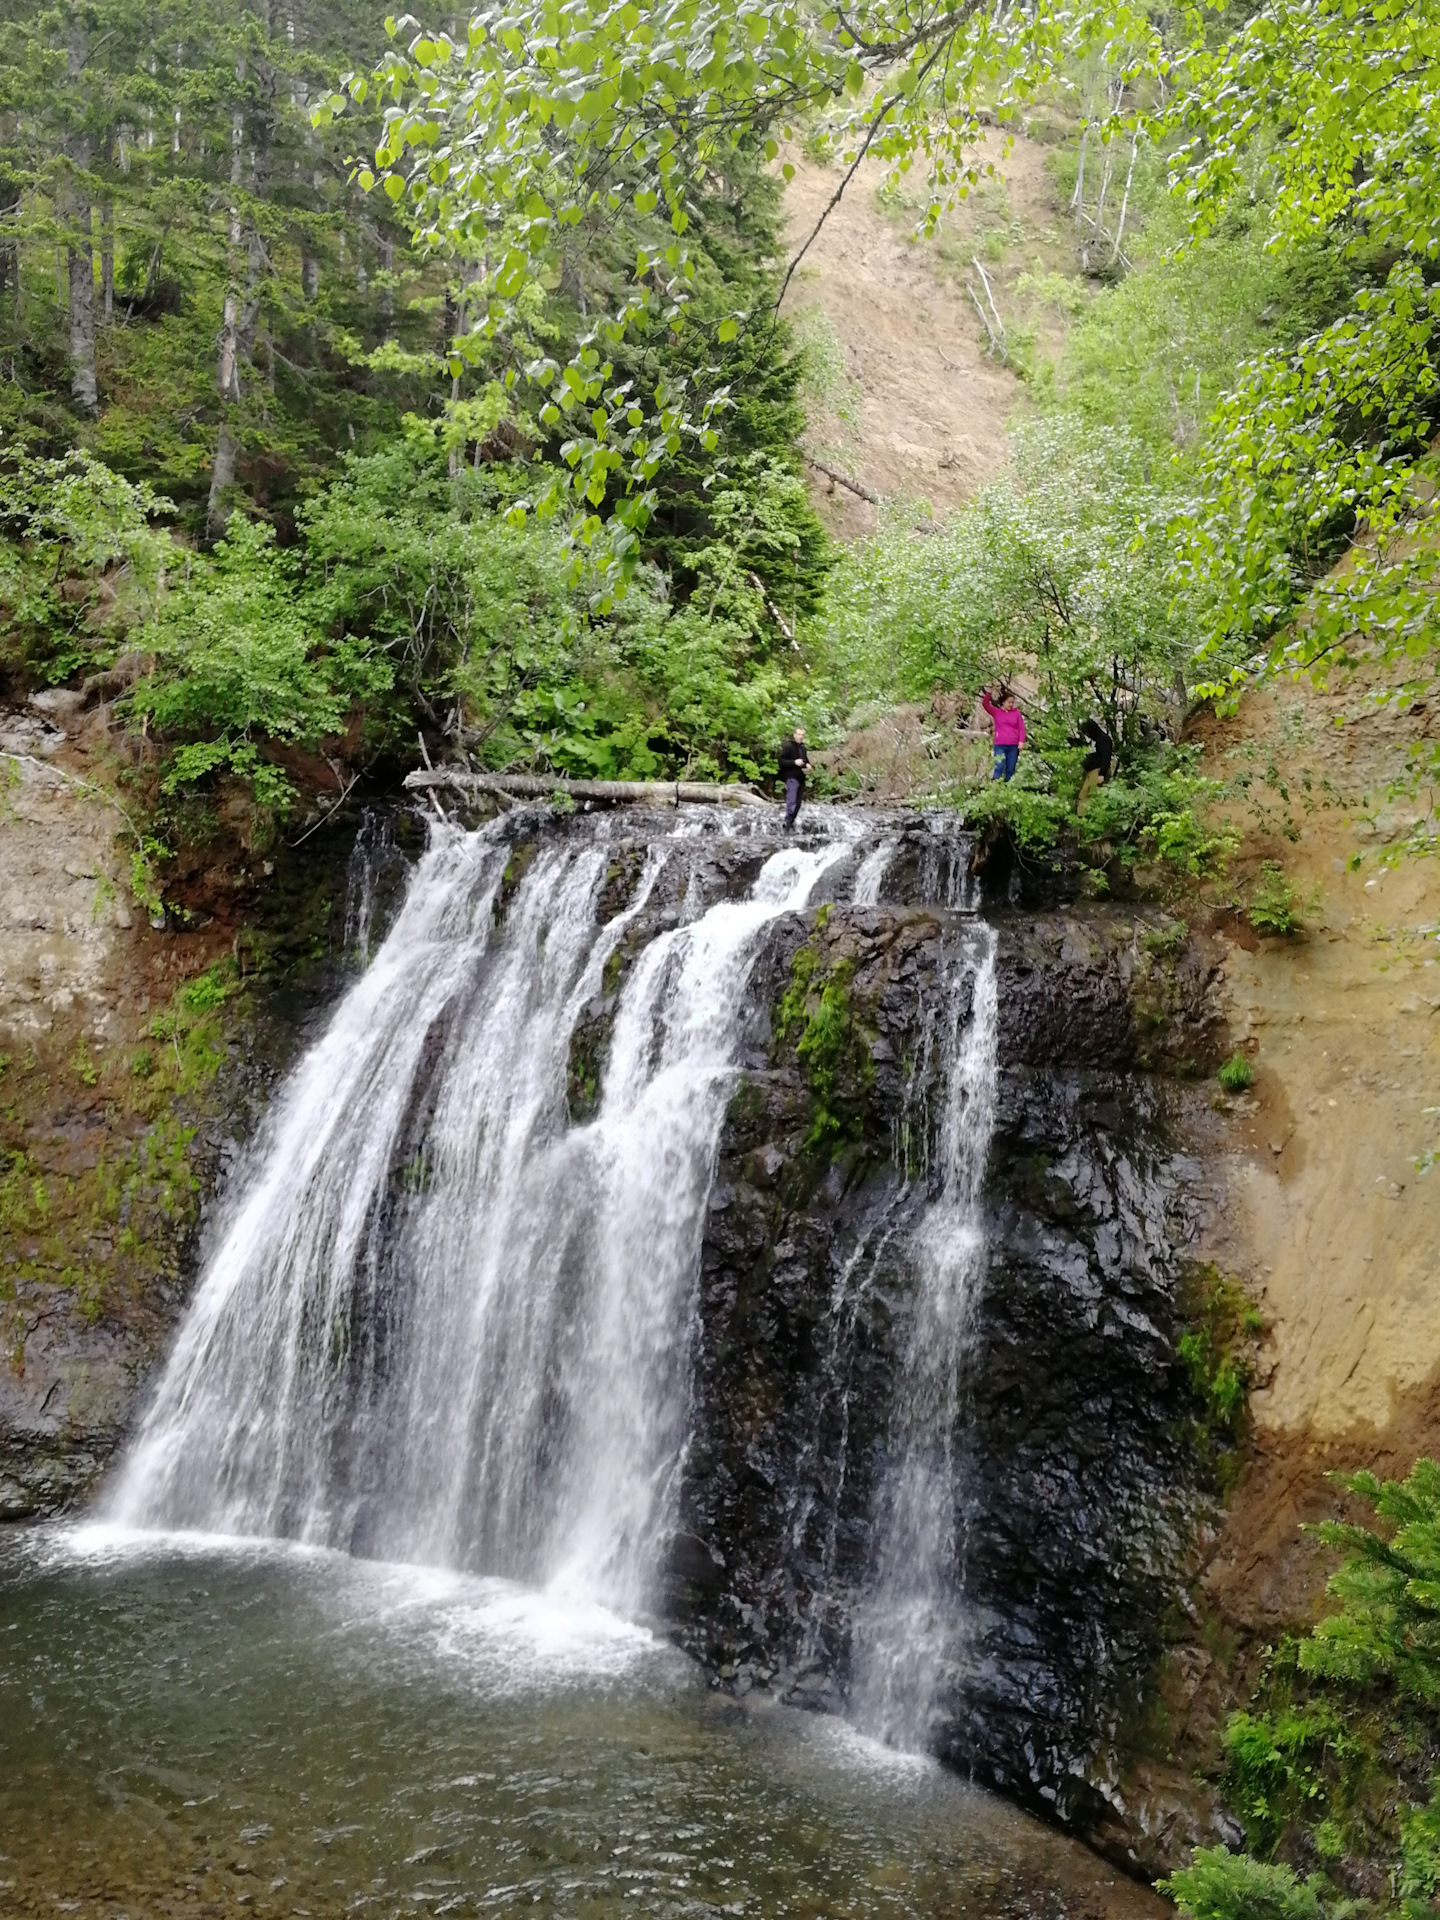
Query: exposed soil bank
(1319, 1203)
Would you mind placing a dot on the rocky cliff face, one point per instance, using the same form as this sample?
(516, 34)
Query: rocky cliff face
(1081, 1474)
(1082, 1469)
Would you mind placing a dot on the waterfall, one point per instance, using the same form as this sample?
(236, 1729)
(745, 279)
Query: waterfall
(870, 874)
(444, 1321)
(910, 1631)
(441, 1323)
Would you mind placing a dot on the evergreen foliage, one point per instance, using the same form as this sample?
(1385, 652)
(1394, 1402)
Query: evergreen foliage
(182, 264)
(1350, 1735)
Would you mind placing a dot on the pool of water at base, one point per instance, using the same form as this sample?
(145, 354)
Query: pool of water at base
(192, 1726)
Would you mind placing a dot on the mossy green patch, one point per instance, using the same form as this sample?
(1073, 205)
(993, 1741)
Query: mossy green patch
(106, 1207)
(1218, 1351)
(818, 1009)
(516, 867)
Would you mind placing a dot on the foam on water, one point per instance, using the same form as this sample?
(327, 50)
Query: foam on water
(487, 1635)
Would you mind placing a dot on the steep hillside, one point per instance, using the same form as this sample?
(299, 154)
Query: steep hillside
(1320, 1206)
(906, 395)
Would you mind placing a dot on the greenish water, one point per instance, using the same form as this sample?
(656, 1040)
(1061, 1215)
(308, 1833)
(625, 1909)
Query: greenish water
(190, 1726)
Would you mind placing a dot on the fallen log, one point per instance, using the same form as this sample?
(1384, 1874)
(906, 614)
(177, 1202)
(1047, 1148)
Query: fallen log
(534, 786)
(843, 480)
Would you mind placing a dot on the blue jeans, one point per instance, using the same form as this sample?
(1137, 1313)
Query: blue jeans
(1006, 761)
(794, 794)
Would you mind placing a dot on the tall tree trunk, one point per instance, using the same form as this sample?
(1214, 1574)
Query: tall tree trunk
(222, 478)
(79, 242)
(83, 388)
(10, 250)
(387, 290)
(227, 383)
(107, 258)
(241, 309)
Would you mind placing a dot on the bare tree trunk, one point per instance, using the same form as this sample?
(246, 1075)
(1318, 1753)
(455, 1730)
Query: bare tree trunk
(1109, 159)
(222, 478)
(237, 345)
(10, 252)
(227, 376)
(227, 365)
(81, 260)
(250, 306)
(1125, 198)
(1077, 198)
(387, 291)
(80, 245)
(467, 274)
(107, 257)
(241, 308)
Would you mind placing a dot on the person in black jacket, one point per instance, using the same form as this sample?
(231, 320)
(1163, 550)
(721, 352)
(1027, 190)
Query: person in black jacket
(794, 763)
(1098, 761)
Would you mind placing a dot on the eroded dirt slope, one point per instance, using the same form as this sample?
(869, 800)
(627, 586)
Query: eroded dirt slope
(1339, 1230)
(910, 400)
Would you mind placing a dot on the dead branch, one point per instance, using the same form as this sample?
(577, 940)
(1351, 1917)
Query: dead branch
(842, 480)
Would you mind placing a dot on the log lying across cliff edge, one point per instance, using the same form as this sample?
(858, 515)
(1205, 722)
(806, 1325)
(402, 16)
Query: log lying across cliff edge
(530, 786)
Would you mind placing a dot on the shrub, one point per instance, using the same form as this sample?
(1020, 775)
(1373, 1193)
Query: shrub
(1220, 1885)
(1237, 1074)
(1388, 1626)
(1274, 905)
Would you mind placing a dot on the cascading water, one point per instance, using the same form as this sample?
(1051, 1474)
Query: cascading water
(442, 1324)
(445, 1324)
(910, 1631)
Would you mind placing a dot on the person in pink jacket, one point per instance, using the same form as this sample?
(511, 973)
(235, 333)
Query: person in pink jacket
(1009, 725)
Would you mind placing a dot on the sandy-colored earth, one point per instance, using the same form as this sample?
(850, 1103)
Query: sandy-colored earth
(1335, 1228)
(921, 409)
(63, 898)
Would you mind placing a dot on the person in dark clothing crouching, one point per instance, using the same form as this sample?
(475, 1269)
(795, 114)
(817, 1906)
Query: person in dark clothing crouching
(1098, 761)
(794, 764)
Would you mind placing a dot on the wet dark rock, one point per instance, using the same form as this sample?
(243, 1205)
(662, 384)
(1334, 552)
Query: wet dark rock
(1078, 1483)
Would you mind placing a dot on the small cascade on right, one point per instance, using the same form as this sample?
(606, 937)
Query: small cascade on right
(910, 1632)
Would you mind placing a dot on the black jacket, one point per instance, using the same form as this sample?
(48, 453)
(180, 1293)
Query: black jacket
(1102, 747)
(793, 760)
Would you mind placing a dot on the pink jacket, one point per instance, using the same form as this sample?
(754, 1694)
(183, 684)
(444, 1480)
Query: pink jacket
(1009, 723)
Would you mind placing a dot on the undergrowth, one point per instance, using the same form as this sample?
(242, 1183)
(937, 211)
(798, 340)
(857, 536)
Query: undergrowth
(1334, 1769)
(1217, 1350)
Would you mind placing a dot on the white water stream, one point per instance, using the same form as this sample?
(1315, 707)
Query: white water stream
(910, 1632)
(441, 1324)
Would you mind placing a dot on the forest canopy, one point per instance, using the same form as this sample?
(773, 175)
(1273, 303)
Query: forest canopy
(363, 377)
